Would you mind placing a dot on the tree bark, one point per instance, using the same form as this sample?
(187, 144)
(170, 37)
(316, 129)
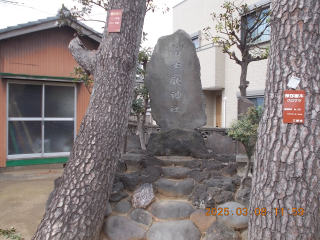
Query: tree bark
(287, 157)
(78, 208)
(243, 79)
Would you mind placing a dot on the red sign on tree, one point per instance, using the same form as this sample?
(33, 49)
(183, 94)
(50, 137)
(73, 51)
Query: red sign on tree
(115, 18)
(293, 106)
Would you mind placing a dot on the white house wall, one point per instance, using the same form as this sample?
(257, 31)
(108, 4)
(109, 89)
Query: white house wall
(217, 70)
(212, 68)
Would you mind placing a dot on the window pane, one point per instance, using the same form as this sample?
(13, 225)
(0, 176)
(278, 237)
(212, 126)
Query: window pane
(24, 137)
(58, 136)
(59, 101)
(252, 18)
(257, 101)
(253, 100)
(25, 100)
(260, 101)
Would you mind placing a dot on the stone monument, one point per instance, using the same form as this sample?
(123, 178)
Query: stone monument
(174, 85)
(176, 98)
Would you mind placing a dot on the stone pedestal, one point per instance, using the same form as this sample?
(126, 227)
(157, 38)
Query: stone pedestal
(132, 161)
(179, 142)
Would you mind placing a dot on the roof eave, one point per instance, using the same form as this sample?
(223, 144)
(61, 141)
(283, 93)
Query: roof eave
(20, 30)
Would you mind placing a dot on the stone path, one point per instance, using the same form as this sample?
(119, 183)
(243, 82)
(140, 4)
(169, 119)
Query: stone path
(174, 193)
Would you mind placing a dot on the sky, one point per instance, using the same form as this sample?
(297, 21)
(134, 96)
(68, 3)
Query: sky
(156, 24)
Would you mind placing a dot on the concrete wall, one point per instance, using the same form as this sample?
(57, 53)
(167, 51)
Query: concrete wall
(218, 72)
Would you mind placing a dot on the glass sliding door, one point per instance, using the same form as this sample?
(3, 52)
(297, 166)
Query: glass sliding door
(41, 119)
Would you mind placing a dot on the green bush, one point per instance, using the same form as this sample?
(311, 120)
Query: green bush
(245, 130)
(10, 233)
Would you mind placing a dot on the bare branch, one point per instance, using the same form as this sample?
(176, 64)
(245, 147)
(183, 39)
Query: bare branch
(85, 58)
(232, 56)
(101, 4)
(260, 34)
(151, 7)
(259, 20)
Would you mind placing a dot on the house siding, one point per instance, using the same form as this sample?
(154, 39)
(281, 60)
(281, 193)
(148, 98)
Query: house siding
(42, 53)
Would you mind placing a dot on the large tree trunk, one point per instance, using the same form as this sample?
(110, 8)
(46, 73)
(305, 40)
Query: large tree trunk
(287, 157)
(78, 208)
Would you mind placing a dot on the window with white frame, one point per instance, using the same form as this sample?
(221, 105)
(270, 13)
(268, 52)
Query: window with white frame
(41, 119)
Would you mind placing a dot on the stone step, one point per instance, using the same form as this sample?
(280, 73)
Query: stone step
(174, 230)
(182, 161)
(175, 172)
(171, 210)
(120, 227)
(177, 188)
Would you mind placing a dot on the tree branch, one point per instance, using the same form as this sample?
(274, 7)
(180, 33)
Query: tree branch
(258, 20)
(258, 58)
(260, 34)
(85, 58)
(232, 56)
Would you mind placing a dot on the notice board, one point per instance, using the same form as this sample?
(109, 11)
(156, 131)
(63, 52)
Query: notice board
(115, 19)
(294, 106)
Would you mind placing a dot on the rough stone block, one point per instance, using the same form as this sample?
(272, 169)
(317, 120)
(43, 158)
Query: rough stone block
(115, 197)
(219, 231)
(221, 144)
(230, 170)
(179, 142)
(123, 206)
(174, 230)
(201, 220)
(174, 84)
(141, 216)
(243, 196)
(225, 196)
(129, 180)
(233, 220)
(143, 196)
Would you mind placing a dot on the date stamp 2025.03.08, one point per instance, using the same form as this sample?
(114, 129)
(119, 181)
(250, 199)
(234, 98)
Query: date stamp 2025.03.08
(257, 211)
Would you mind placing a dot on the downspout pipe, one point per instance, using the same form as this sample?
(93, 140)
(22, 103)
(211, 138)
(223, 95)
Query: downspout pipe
(224, 112)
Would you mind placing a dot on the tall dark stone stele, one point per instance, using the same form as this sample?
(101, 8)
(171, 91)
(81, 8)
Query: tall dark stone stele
(173, 81)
